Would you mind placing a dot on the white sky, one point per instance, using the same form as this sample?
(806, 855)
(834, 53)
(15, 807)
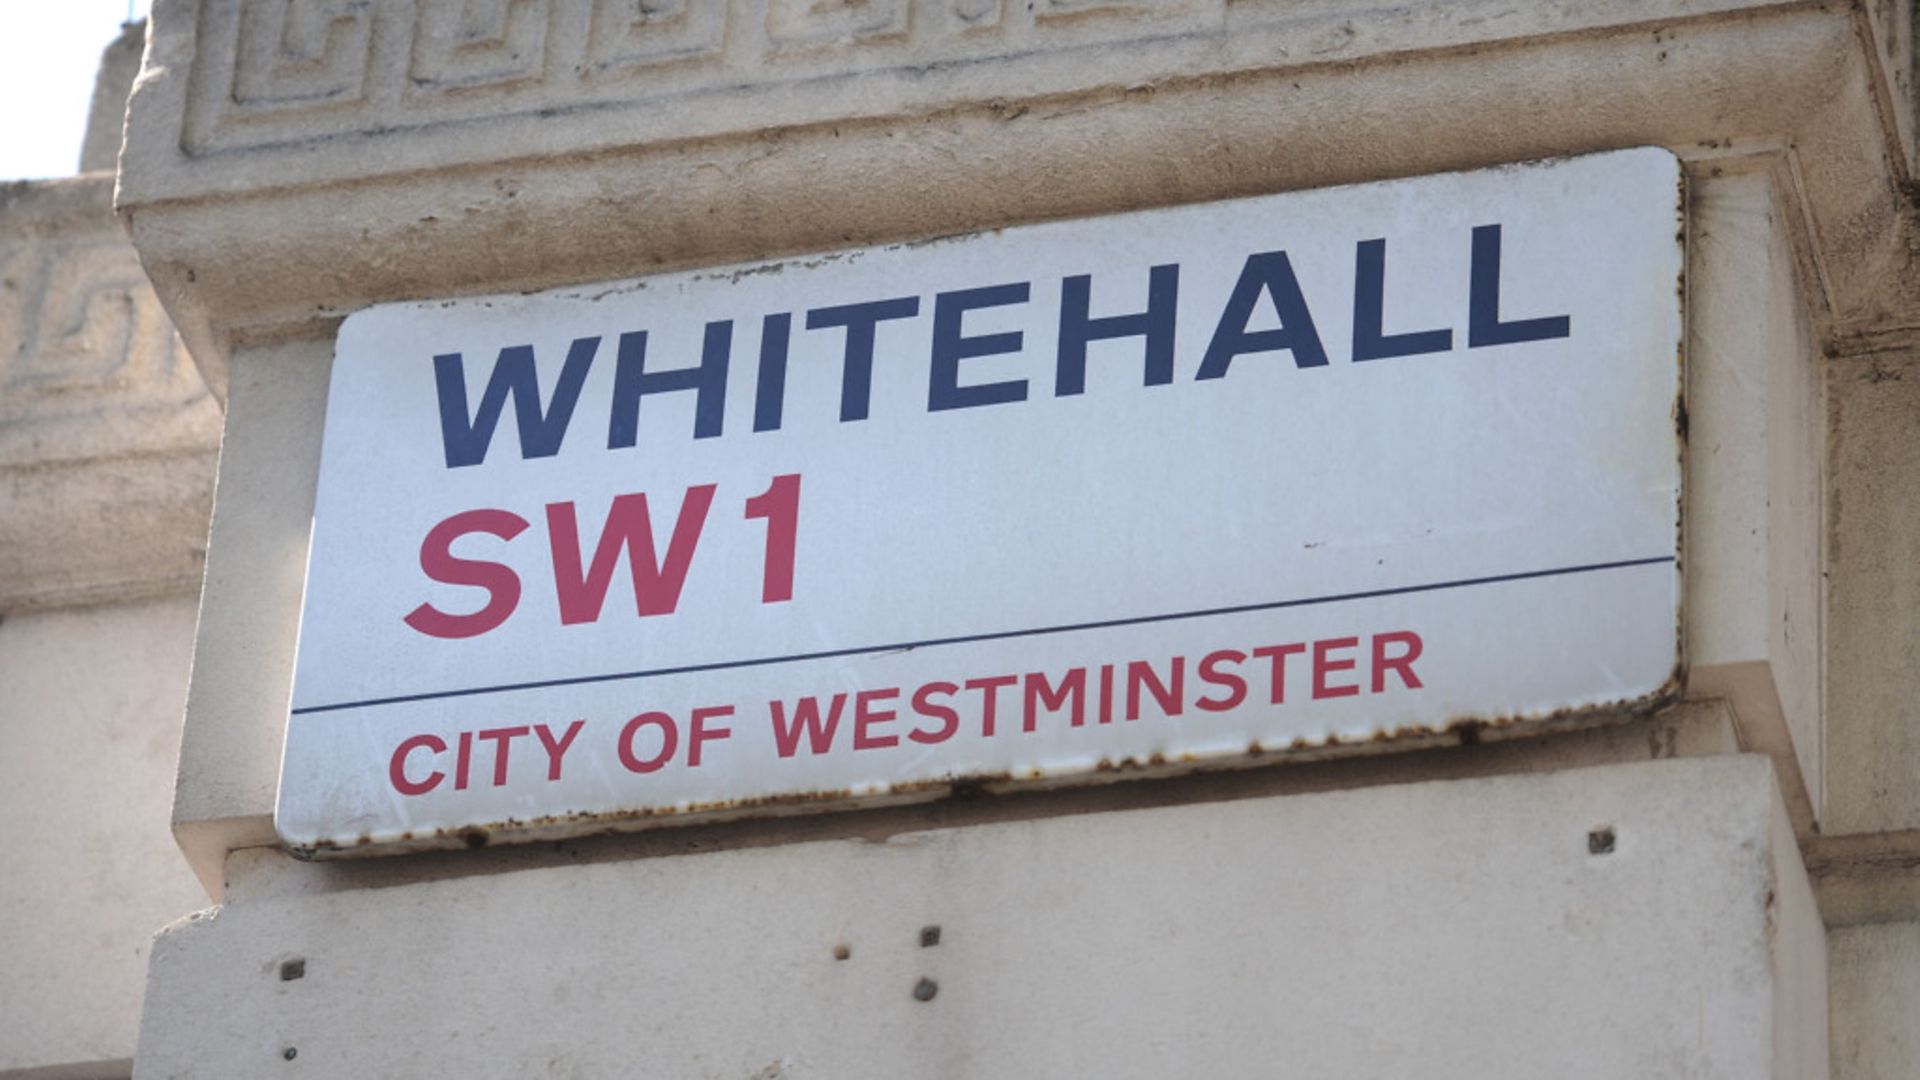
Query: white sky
(49, 51)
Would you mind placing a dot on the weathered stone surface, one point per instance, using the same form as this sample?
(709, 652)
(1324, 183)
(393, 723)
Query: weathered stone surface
(1875, 972)
(1873, 593)
(1441, 930)
(1891, 24)
(107, 433)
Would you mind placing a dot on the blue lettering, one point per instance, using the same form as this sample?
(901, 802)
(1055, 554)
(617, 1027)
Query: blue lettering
(1370, 342)
(856, 378)
(950, 346)
(1271, 273)
(770, 392)
(1483, 301)
(466, 438)
(632, 381)
(1077, 328)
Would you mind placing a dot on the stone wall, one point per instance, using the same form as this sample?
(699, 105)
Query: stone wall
(292, 162)
(289, 162)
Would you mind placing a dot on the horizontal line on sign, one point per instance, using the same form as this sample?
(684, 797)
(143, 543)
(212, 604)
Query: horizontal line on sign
(998, 635)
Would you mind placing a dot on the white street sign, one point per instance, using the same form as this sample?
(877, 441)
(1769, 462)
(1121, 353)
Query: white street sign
(1294, 471)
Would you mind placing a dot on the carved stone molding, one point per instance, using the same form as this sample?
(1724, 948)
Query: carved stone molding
(291, 160)
(89, 365)
(107, 431)
(626, 36)
(279, 72)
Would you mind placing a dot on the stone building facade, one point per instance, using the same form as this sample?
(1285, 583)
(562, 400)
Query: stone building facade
(1753, 909)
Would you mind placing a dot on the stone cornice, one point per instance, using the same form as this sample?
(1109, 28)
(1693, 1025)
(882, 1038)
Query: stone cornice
(286, 85)
(107, 433)
(292, 160)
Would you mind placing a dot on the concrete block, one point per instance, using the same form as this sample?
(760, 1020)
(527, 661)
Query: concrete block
(1640, 921)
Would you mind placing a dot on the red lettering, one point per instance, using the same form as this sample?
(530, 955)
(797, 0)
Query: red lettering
(556, 750)
(502, 739)
(1210, 673)
(990, 692)
(806, 715)
(780, 505)
(949, 718)
(669, 741)
(864, 716)
(656, 585)
(1168, 695)
(1278, 654)
(1323, 664)
(440, 564)
(700, 735)
(1403, 663)
(1071, 688)
(397, 766)
(463, 761)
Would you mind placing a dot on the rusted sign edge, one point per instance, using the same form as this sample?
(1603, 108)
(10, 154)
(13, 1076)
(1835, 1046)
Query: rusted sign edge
(1465, 730)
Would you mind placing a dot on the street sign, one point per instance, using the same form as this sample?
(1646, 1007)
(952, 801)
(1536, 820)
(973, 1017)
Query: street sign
(1299, 471)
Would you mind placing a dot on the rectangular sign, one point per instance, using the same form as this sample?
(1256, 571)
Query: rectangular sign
(1179, 486)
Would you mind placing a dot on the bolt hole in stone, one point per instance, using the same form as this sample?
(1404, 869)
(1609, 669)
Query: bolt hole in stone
(1600, 841)
(290, 1053)
(841, 952)
(929, 936)
(295, 968)
(925, 989)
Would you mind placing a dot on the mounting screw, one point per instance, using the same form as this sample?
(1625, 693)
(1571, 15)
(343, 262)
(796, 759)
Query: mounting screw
(929, 936)
(290, 1053)
(925, 989)
(1600, 841)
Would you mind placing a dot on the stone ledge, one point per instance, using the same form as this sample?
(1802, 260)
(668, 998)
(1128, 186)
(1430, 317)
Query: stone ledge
(104, 531)
(323, 91)
(1867, 877)
(1408, 921)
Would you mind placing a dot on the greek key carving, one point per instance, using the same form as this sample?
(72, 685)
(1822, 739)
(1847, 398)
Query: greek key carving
(281, 72)
(302, 52)
(465, 43)
(626, 34)
(812, 23)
